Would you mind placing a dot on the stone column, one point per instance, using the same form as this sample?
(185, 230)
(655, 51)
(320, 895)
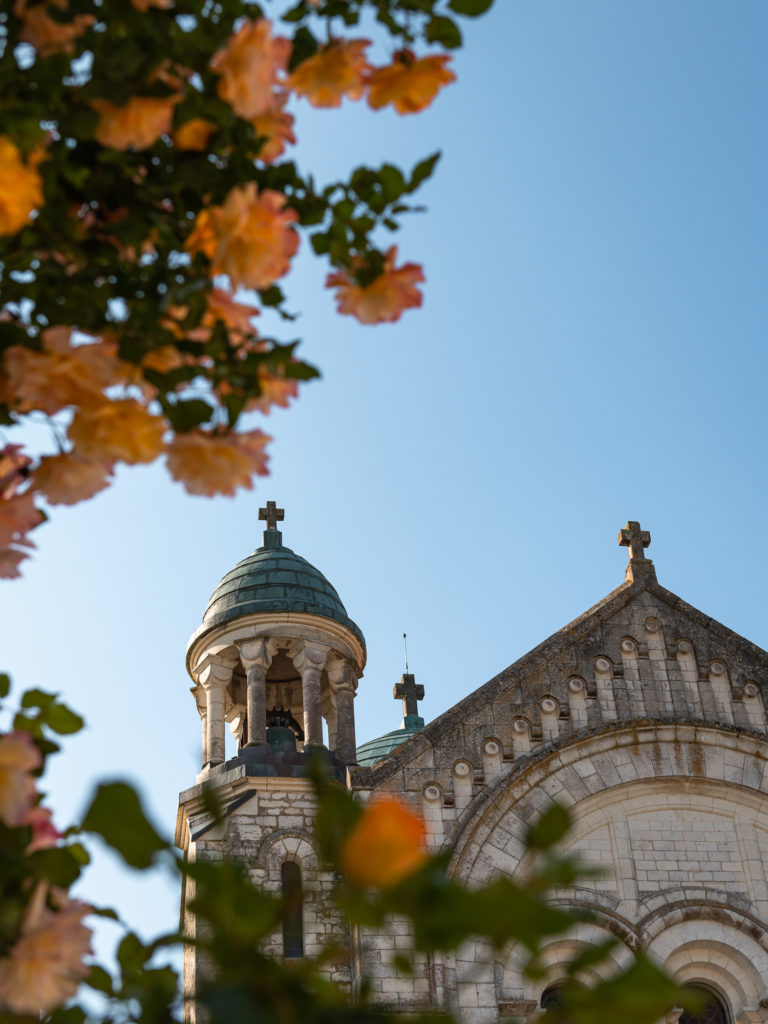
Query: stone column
(204, 722)
(310, 662)
(214, 675)
(343, 679)
(256, 660)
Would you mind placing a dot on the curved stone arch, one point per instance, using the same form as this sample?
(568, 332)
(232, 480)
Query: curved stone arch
(287, 844)
(570, 770)
(555, 953)
(710, 953)
(604, 909)
(673, 906)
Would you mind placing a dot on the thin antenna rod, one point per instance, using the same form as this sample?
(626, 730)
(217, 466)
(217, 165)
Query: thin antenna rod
(405, 645)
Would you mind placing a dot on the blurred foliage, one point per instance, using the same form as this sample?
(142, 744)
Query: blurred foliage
(236, 920)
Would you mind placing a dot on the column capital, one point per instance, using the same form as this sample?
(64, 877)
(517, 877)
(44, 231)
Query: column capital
(255, 653)
(215, 669)
(342, 672)
(311, 656)
(344, 686)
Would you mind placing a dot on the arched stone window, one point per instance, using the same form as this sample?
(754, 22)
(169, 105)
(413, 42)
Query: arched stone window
(713, 1011)
(552, 998)
(293, 909)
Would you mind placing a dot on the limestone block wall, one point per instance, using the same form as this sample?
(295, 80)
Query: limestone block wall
(648, 720)
(681, 841)
(270, 821)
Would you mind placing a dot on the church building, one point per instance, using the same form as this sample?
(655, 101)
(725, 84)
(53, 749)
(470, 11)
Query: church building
(644, 716)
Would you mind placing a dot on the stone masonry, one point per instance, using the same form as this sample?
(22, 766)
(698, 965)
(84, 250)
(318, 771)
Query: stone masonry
(644, 716)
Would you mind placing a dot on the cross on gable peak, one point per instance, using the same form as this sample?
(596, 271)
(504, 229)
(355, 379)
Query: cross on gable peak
(637, 540)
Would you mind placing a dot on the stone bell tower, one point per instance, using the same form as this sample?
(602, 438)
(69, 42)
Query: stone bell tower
(277, 660)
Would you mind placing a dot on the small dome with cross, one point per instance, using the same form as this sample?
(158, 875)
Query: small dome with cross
(274, 579)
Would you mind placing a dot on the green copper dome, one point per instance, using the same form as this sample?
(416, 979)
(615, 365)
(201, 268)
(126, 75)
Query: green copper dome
(370, 753)
(274, 579)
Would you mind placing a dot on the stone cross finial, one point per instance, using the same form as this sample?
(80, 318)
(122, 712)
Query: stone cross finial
(272, 514)
(410, 693)
(635, 539)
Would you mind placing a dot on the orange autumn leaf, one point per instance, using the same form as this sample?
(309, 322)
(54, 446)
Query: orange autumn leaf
(163, 359)
(409, 83)
(18, 516)
(137, 124)
(194, 134)
(236, 316)
(203, 237)
(45, 967)
(62, 374)
(144, 5)
(276, 390)
(14, 469)
(21, 188)
(45, 33)
(385, 846)
(120, 430)
(249, 67)
(385, 298)
(276, 127)
(209, 464)
(335, 71)
(10, 560)
(249, 238)
(66, 479)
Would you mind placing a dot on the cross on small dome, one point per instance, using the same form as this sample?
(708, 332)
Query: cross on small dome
(410, 692)
(272, 514)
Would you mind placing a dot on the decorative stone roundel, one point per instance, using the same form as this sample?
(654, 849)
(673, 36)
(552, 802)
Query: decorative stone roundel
(521, 725)
(462, 769)
(603, 665)
(628, 646)
(751, 690)
(685, 646)
(431, 793)
(548, 706)
(575, 685)
(492, 747)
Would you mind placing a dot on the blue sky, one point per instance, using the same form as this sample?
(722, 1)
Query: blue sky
(591, 349)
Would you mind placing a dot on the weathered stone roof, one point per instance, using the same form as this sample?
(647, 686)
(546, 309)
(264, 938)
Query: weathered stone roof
(275, 579)
(641, 654)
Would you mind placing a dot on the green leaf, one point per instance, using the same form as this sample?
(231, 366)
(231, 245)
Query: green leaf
(392, 182)
(5, 684)
(68, 1015)
(304, 45)
(186, 415)
(444, 31)
(549, 829)
(100, 980)
(423, 170)
(62, 720)
(117, 816)
(56, 865)
(471, 8)
(37, 699)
